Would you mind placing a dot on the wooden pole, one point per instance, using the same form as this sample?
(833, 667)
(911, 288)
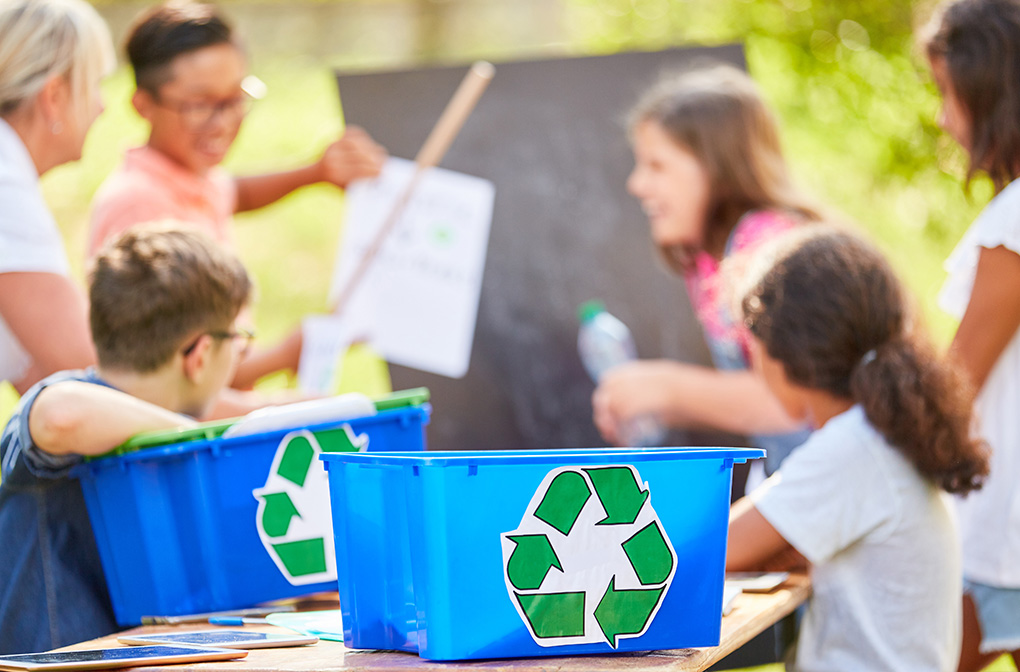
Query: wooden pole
(430, 154)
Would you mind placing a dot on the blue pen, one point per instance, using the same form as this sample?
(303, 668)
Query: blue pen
(234, 620)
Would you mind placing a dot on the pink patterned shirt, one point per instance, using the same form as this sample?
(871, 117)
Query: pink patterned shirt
(727, 338)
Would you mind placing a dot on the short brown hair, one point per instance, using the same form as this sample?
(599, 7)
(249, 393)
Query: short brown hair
(979, 40)
(155, 286)
(717, 114)
(164, 32)
(832, 312)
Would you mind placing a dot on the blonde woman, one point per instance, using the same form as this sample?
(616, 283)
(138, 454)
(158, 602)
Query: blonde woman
(53, 54)
(712, 180)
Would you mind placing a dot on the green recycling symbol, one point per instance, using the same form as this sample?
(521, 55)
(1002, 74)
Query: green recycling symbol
(294, 518)
(590, 561)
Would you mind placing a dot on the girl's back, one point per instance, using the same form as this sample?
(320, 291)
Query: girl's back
(883, 549)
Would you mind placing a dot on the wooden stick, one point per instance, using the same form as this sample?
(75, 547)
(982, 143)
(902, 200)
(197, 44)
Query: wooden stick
(430, 154)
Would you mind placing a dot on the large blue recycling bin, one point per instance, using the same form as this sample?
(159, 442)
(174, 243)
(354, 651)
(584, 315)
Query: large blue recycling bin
(462, 555)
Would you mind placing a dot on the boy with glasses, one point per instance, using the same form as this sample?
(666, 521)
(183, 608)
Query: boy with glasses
(165, 310)
(193, 87)
(194, 90)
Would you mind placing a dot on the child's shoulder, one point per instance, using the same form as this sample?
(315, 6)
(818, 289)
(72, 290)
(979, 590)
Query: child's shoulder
(1003, 212)
(21, 411)
(758, 226)
(16, 443)
(132, 185)
(850, 448)
(997, 225)
(141, 167)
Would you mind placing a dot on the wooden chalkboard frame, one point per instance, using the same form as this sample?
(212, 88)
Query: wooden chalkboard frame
(551, 135)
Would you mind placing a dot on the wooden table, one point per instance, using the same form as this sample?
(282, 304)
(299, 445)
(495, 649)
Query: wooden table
(752, 614)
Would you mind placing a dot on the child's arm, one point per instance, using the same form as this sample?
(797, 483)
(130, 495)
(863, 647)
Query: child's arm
(48, 315)
(753, 542)
(89, 419)
(355, 155)
(685, 395)
(284, 356)
(992, 316)
(232, 403)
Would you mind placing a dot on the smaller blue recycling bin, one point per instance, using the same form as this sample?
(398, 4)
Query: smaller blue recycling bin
(187, 527)
(465, 555)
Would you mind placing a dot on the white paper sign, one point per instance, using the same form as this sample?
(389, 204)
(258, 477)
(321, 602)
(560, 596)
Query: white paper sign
(323, 341)
(325, 338)
(421, 292)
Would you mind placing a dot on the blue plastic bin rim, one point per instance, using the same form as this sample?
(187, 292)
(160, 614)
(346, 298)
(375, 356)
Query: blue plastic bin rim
(544, 456)
(221, 442)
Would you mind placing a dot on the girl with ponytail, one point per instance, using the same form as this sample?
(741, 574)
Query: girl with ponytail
(864, 499)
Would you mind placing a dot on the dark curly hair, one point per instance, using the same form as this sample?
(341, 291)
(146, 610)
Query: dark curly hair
(833, 313)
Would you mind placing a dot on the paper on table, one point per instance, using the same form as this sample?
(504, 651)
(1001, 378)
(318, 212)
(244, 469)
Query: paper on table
(322, 624)
(756, 582)
(729, 595)
(423, 287)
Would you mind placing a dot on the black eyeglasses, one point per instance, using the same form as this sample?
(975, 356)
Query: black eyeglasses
(199, 113)
(247, 334)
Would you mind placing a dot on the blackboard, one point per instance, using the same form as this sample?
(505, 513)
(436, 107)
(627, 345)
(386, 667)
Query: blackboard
(551, 135)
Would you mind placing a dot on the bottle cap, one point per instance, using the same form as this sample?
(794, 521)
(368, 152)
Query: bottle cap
(589, 309)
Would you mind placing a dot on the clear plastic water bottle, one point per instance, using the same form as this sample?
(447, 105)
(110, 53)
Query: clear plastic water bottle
(604, 342)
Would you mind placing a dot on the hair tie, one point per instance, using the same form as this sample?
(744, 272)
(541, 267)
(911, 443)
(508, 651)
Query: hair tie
(867, 358)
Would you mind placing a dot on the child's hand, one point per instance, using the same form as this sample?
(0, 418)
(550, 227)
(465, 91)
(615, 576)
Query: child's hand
(354, 156)
(633, 390)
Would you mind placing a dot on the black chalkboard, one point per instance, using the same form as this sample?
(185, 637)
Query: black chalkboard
(551, 135)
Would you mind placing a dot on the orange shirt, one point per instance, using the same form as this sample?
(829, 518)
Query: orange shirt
(150, 187)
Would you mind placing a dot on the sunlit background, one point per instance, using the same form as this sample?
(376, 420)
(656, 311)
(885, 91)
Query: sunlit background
(854, 97)
(852, 91)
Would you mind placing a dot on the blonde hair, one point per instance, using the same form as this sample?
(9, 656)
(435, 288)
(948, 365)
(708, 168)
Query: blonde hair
(718, 115)
(40, 39)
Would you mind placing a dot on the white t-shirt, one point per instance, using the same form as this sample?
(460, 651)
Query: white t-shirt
(29, 238)
(883, 547)
(990, 517)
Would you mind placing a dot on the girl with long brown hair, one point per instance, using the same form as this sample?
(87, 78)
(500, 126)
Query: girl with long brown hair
(973, 47)
(710, 175)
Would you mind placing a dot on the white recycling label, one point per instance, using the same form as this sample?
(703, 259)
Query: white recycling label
(590, 561)
(294, 519)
